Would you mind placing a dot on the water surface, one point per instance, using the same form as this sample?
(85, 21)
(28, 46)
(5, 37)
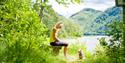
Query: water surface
(89, 41)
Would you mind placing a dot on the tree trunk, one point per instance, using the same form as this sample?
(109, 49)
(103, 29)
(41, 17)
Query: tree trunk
(124, 31)
(42, 9)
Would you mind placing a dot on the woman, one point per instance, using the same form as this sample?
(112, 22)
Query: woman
(54, 40)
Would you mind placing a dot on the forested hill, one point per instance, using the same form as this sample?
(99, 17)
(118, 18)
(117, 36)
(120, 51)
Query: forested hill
(94, 21)
(85, 17)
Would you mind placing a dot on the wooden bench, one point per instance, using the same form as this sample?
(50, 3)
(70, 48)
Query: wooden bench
(56, 49)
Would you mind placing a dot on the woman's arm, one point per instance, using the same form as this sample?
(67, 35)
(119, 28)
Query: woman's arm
(56, 34)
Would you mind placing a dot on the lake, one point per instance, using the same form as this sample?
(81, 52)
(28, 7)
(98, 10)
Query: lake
(89, 41)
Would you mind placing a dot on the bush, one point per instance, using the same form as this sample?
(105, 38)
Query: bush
(22, 34)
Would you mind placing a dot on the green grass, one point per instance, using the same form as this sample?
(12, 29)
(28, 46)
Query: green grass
(89, 56)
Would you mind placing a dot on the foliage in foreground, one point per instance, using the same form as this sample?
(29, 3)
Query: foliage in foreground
(22, 34)
(114, 47)
(110, 51)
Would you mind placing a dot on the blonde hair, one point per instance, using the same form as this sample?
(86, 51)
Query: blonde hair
(57, 24)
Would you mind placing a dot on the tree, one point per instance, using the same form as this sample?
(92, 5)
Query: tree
(21, 33)
(43, 5)
(114, 48)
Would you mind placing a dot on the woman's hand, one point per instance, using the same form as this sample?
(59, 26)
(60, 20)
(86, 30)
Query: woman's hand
(57, 40)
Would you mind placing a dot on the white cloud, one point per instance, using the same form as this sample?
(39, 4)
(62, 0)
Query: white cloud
(101, 5)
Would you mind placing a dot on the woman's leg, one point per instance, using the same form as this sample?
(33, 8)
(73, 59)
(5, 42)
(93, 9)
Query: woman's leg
(61, 44)
(65, 51)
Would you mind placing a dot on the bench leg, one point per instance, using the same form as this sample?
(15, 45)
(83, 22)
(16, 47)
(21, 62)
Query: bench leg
(56, 50)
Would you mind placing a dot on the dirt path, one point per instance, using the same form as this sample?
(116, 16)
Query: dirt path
(73, 59)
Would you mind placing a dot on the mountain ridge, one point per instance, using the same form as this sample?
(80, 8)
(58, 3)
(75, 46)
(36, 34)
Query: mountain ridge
(94, 21)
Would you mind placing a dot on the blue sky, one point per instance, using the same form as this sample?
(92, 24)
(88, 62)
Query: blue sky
(101, 5)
